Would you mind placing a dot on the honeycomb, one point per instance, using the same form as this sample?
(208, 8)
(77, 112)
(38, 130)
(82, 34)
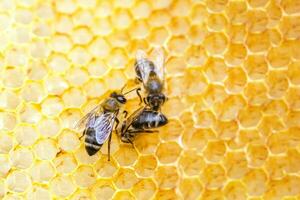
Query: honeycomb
(233, 75)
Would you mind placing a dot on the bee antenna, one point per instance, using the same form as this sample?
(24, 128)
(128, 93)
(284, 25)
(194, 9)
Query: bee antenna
(131, 91)
(123, 88)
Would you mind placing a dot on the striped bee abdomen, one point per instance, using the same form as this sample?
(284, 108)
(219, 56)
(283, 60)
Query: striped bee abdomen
(149, 119)
(91, 145)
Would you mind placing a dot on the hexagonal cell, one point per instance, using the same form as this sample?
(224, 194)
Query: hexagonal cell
(79, 56)
(65, 163)
(256, 182)
(83, 158)
(197, 138)
(121, 19)
(216, 22)
(69, 118)
(197, 34)
(39, 192)
(292, 164)
(171, 131)
(68, 140)
(166, 177)
(144, 189)
(294, 73)
(257, 155)
(216, 70)
(158, 36)
(77, 76)
(42, 171)
(166, 194)
(13, 77)
(293, 97)
(256, 94)
(199, 14)
(6, 143)
(18, 181)
(126, 155)
(212, 194)
(213, 176)
(83, 17)
(81, 195)
(236, 33)
(236, 80)
(292, 119)
(278, 143)
(55, 84)
(190, 188)
(33, 92)
(95, 88)
(59, 63)
(140, 30)
(258, 47)
(275, 167)
(256, 66)
(168, 152)
(250, 116)
(179, 26)
(215, 44)
(84, 176)
(287, 27)
(191, 163)
(214, 94)
(250, 137)
(102, 190)
(73, 98)
(235, 190)
(236, 165)
(214, 151)
(125, 178)
(226, 130)
(81, 36)
(270, 125)
(280, 56)
(236, 11)
(52, 106)
(62, 186)
(146, 165)
(277, 83)
(9, 99)
(115, 80)
(177, 45)
(199, 83)
(6, 165)
(146, 143)
(21, 158)
(123, 195)
(49, 127)
(196, 56)
(45, 149)
(276, 107)
(141, 10)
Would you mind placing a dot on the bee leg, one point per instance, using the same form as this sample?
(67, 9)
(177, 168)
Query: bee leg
(117, 124)
(82, 134)
(108, 146)
(139, 95)
(125, 113)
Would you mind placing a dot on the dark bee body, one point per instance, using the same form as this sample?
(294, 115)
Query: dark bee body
(152, 76)
(142, 120)
(99, 123)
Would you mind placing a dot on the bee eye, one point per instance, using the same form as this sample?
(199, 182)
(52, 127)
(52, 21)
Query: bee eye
(121, 99)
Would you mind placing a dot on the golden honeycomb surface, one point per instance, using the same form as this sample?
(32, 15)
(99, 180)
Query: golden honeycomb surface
(233, 83)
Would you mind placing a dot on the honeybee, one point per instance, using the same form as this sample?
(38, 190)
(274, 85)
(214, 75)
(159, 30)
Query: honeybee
(100, 120)
(151, 74)
(143, 120)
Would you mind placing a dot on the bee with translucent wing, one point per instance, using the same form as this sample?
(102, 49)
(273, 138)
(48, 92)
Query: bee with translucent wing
(152, 75)
(99, 122)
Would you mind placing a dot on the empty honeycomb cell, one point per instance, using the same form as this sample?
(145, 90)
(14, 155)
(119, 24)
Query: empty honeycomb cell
(293, 98)
(279, 56)
(42, 29)
(236, 80)
(179, 26)
(123, 195)
(125, 178)
(173, 103)
(275, 167)
(256, 67)
(99, 47)
(141, 10)
(117, 59)
(158, 35)
(177, 45)
(196, 56)
(83, 18)
(166, 177)
(236, 33)
(235, 54)
(197, 138)
(36, 70)
(235, 190)
(55, 85)
(171, 131)
(23, 16)
(79, 56)
(275, 37)
(52, 106)
(119, 39)
(21, 158)
(292, 161)
(121, 19)
(289, 27)
(293, 73)
(144, 189)
(22, 35)
(42, 171)
(205, 119)
(115, 80)
(126, 155)
(18, 181)
(94, 88)
(5, 165)
(226, 130)
(84, 176)
(61, 43)
(29, 113)
(103, 191)
(103, 9)
(191, 163)
(213, 176)
(49, 127)
(9, 99)
(199, 85)
(146, 165)
(190, 188)
(168, 152)
(139, 31)
(251, 137)
(250, 116)
(105, 168)
(73, 98)
(215, 70)
(290, 7)
(197, 34)
(65, 6)
(39, 49)
(257, 155)
(274, 146)
(176, 91)
(16, 57)
(70, 118)
(257, 3)
(271, 124)
(255, 182)
(45, 149)
(262, 46)
(277, 83)
(216, 22)
(214, 151)
(13, 77)
(215, 44)
(257, 21)
(236, 165)
(6, 21)
(256, 94)
(33, 92)
(236, 11)
(234, 103)
(8, 121)
(80, 194)
(59, 63)
(97, 68)
(214, 94)
(62, 186)
(68, 140)
(64, 163)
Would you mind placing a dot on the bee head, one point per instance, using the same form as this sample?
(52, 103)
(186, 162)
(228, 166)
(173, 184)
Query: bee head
(119, 97)
(156, 100)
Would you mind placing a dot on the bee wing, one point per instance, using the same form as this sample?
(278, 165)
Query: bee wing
(104, 126)
(89, 118)
(159, 63)
(133, 116)
(141, 58)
